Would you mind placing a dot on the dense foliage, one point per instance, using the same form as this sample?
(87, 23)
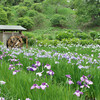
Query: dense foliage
(87, 11)
(3, 17)
(58, 20)
(57, 13)
(26, 22)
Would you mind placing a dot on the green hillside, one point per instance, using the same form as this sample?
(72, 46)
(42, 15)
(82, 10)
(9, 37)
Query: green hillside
(41, 14)
(47, 19)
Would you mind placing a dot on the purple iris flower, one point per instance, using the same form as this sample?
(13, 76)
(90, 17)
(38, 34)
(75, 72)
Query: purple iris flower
(44, 85)
(89, 76)
(35, 86)
(68, 76)
(69, 61)
(70, 82)
(88, 81)
(80, 67)
(85, 85)
(32, 68)
(79, 83)
(28, 99)
(10, 65)
(83, 78)
(2, 82)
(33, 65)
(19, 64)
(1, 57)
(47, 66)
(1, 98)
(98, 67)
(11, 68)
(14, 72)
(30, 58)
(38, 63)
(50, 72)
(17, 70)
(78, 93)
(43, 64)
(14, 60)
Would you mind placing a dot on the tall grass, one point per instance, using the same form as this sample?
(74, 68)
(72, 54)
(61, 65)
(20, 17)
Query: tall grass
(19, 86)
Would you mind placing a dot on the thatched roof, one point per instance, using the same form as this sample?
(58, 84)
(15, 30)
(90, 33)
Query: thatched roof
(11, 28)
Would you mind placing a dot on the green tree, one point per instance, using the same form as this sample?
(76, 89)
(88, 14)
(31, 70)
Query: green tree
(8, 11)
(38, 1)
(26, 22)
(88, 11)
(3, 17)
(10, 2)
(39, 20)
(21, 11)
(58, 20)
(57, 3)
(38, 7)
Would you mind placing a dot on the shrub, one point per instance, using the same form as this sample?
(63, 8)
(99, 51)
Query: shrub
(82, 35)
(75, 41)
(47, 42)
(97, 41)
(29, 35)
(26, 22)
(31, 38)
(86, 42)
(63, 35)
(43, 37)
(27, 3)
(9, 14)
(98, 35)
(3, 17)
(65, 41)
(39, 38)
(49, 9)
(55, 42)
(71, 21)
(39, 20)
(21, 11)
(96, 22)
(38, 7)
(70, 31)
(50, 37)
(43, 42)
(70, 41)
(58, 20)
(31, 41)
(6, 9)
(32, 13)
(93, 34)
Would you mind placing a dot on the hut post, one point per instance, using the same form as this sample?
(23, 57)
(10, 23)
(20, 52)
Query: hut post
(26, 42)
(3, 37)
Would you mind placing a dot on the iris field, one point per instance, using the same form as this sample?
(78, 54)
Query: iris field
(69, 72)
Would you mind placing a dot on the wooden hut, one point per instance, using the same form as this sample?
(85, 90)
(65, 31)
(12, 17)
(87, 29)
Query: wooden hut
(11, 35)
